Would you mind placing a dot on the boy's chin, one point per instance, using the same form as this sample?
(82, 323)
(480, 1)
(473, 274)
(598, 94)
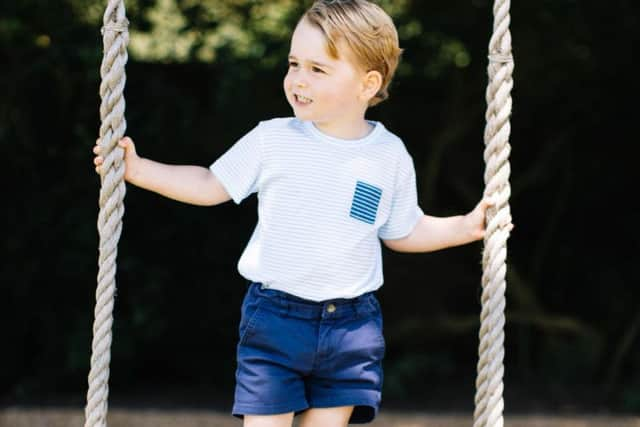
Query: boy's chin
(302, 115)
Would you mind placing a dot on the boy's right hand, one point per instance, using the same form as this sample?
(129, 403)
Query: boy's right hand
(130, 156)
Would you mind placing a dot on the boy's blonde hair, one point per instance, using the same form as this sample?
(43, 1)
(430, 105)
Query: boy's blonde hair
(366, 29)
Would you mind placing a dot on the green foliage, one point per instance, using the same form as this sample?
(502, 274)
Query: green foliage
(631, 399)
(406, 376)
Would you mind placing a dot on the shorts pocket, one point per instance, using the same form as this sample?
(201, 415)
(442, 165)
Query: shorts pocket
(249, 316)
(377, 318)
(381, 341)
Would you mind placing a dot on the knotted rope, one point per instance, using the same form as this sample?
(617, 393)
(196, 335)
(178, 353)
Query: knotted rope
(489, 387)
(115, 38)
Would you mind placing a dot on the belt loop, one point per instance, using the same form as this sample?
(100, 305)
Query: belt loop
(360, 305)
(284, 306)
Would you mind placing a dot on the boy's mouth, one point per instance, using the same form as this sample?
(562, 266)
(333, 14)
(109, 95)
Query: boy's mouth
(302, 99)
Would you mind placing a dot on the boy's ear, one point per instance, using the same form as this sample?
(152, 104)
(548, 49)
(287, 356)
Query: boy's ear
(371, 84)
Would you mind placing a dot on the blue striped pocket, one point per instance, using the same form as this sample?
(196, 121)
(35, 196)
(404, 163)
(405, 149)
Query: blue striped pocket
(365, 202)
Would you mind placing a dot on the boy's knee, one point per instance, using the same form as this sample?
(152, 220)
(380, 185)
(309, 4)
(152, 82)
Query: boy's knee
(322, 417)
(278, 420)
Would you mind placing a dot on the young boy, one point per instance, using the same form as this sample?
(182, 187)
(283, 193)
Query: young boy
(331, 185)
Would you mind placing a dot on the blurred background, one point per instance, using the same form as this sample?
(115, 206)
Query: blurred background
(201, 74)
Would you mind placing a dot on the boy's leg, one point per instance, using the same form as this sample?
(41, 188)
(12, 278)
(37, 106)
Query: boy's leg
(323, 417)
(279, 420)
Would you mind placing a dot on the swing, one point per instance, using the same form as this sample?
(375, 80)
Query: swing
(489, 386)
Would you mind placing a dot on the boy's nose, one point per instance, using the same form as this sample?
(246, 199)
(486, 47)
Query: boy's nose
(300, 83)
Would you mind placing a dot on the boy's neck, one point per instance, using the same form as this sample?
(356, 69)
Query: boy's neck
(345, 130)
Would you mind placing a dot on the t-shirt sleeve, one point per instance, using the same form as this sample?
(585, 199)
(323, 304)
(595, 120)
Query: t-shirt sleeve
(238, 169)
(405, 211)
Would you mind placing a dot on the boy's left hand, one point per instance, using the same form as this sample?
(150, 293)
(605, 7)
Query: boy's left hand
(475, 220)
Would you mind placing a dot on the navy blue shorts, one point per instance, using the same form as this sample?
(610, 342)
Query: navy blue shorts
(295, 354)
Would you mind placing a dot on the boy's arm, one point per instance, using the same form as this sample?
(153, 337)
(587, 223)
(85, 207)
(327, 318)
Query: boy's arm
(196, 185)
(433, 233)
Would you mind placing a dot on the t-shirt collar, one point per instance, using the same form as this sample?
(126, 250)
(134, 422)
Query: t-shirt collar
(321, 136)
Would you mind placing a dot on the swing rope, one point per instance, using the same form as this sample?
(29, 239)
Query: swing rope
(489, 404)
(115, 38)
(489, 386)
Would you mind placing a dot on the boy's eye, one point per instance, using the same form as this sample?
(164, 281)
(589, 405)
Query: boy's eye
(293, 64)
(317, 70)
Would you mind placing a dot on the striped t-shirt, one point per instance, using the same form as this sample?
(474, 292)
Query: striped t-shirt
(324, 203)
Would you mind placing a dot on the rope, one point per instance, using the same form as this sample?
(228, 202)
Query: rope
(115, 38)
(489, 404)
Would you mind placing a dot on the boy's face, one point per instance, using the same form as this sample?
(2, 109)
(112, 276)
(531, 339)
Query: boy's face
(318, 87)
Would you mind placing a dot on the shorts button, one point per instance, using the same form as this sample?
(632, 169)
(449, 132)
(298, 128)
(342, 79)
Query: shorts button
(331, 308)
